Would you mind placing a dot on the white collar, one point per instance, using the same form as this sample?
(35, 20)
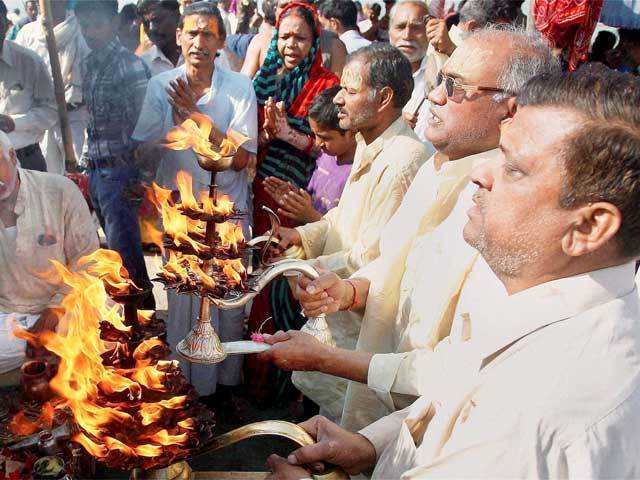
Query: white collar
(350, 34)
(519, 315)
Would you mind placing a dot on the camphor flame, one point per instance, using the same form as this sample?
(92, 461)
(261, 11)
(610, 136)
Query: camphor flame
(230, 235)
(233, 270)
(95, 393)
(195, 132)
(176, 225)
(222, 206)
(107, 265)
(183, 180)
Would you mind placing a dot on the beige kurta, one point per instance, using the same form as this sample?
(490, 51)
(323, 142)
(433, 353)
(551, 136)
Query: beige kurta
(414, 284)
(347, 236)
(53, 223)
(553, 390)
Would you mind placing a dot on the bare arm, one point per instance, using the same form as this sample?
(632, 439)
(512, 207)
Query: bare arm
(252, 61)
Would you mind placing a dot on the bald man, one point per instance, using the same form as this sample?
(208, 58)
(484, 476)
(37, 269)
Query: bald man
(43, 217)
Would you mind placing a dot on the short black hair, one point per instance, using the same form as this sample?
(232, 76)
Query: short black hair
(128, 14)
(3, 9)
(269, 8)
(601, 159)
(89, 7)
(344, 11)
(207, 9)
(323, 111)
(145, 5)
(388, 67)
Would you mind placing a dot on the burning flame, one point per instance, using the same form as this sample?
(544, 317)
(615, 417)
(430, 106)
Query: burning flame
(230, 235)
(183, 180)
(107, 265)
(106, 401)
(195, 132)
(222, 206)
(151, 234)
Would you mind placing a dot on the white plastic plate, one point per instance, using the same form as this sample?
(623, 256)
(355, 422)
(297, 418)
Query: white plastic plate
(244, 346)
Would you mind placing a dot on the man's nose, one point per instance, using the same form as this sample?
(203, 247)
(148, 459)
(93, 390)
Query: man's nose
(484, 174)
(438, 95)
(338, 100)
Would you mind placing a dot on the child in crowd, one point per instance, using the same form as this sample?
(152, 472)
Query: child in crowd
(332, 166)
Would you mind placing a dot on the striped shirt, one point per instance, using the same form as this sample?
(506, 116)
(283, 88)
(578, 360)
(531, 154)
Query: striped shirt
(114, 85)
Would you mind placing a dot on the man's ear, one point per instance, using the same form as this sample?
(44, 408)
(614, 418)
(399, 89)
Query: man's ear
(512, 106)
(386, 98)
(13, 157)
(594, 226)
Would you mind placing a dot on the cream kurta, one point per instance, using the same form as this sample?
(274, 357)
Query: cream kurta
(552, 390)
(415, 282)
(53, 223)
(347, 236)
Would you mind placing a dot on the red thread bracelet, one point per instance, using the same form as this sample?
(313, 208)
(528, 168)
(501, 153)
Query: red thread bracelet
(355, 296)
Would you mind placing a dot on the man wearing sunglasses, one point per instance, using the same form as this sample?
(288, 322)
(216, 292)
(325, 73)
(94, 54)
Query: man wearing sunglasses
(410, 294)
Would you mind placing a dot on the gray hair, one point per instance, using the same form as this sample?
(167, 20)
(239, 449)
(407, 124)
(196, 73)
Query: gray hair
(529, 55)
(484, 12)
(394, 9)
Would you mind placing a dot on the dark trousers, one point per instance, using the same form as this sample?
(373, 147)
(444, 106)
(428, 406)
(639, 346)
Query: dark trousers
(31, 158)
(118, 217)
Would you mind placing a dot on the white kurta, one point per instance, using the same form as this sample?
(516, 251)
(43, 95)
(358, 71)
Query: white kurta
(53, 224)
(72, 50)
(347, 237)
(553, 390)
(231, 104)
(414, 284)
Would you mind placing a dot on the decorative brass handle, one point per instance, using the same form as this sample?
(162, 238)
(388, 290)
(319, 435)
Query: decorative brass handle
(273, 427)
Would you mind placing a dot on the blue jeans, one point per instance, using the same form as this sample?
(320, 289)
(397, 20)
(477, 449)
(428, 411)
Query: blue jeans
(118, 216)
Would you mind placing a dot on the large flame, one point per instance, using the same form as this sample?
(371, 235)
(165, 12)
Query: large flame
(195, 132)
(102, 398)
(107, 265)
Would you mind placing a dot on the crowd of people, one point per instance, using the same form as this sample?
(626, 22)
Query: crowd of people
(467, 195)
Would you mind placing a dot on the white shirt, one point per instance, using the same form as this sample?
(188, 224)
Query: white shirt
(157, 61)
(353, 40)
(26, 94)
(414, 286)
(230, 103)
(419, 92)
(53, 223)
(553, 390)
(72, 50)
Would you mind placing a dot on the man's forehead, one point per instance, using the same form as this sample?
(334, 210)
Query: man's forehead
(471, 60)
(353, 76)
(539, 131)
(201, 23)
(407, 12)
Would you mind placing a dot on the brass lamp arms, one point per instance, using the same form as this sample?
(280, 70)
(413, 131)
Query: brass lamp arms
(273, 427)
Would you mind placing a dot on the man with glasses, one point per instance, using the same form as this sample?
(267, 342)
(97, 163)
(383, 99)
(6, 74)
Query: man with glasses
(550, 388)
(410, 294)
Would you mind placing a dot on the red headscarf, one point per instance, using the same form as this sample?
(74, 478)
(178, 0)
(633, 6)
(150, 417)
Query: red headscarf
(568, 24)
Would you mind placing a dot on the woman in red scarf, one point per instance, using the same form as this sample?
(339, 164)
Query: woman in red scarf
(286, 84)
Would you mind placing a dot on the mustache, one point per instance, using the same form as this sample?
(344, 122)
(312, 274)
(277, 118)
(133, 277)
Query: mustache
(201, 52)
(480, 198)
(408, 43)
